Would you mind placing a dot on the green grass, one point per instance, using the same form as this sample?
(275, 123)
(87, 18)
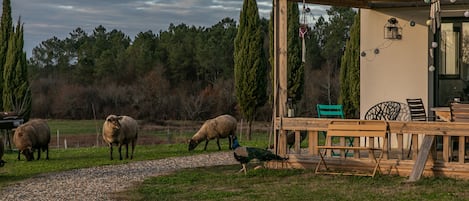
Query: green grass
(73, 158)
(224, 183)
(75, 127)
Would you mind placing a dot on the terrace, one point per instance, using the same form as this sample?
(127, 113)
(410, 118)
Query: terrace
(413, 72)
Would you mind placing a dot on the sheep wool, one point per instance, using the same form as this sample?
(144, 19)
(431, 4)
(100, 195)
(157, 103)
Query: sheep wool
(223, 126)
(120, 130)
(32, 135)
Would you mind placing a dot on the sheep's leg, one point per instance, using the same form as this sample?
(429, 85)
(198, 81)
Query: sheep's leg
(230, 142)
(110, 150)
(120, 151)
(206, 143)
(127, 151)
(133, 148)
(19, 153)
(218, 143)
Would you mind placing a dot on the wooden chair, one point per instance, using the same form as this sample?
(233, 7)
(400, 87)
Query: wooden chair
(460, 113)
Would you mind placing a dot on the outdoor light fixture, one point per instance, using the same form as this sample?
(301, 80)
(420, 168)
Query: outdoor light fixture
(392, 30)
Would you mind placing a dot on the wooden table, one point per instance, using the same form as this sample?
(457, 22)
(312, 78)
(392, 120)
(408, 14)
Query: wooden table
(443, 113)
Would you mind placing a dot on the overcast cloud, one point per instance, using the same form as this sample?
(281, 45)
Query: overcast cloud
(44, 19)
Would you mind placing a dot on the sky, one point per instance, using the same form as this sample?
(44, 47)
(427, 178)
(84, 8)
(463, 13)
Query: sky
(44, 19)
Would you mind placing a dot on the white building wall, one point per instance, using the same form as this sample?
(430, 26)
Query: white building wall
(400, 69)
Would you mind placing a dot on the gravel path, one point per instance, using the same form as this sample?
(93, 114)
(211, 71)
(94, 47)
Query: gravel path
(99, 183)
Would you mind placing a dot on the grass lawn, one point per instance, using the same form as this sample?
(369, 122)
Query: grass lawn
(224, 183)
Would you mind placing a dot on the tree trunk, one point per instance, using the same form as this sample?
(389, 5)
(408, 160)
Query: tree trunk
(249, 130)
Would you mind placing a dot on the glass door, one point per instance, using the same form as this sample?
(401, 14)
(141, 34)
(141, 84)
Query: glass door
(452, 59)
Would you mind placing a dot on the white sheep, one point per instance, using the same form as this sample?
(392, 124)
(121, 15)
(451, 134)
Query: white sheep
(120, 130)
(220, 127)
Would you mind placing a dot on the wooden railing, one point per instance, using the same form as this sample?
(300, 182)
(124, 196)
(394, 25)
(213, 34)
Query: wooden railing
(448, 136)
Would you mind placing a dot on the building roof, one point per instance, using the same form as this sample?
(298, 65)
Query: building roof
(382, 3)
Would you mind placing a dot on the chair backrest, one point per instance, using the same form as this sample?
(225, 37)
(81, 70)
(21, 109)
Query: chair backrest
(388, 110)
(416, 109)
(459, 112)
(330, 111)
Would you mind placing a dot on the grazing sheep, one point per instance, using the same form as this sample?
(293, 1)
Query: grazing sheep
(2, 162)
(120, 130)
(220, 127)
(34, 134)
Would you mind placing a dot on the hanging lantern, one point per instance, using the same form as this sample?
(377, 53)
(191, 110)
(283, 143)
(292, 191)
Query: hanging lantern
(392, 30)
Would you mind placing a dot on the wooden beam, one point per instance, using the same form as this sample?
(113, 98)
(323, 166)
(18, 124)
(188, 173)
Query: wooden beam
(280, 73)
(419, 165)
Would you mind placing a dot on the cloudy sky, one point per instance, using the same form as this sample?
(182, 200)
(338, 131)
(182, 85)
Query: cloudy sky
(44, 19)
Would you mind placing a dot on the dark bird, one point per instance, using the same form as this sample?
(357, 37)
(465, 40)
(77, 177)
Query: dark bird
(291, 138)
(246, 154)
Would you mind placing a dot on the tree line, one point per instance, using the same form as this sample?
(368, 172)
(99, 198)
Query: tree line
(184, 72)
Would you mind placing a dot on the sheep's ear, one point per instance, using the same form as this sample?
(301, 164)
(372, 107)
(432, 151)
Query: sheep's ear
(119, 118)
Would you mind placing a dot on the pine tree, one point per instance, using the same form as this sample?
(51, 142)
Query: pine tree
(350, 73)
(250, 70)
(16, 91)
(6, 27)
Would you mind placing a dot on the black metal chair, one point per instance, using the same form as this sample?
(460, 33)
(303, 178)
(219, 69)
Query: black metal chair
(388, 110)
(417, 110)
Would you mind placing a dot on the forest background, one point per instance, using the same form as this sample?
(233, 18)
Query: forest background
(182, 73)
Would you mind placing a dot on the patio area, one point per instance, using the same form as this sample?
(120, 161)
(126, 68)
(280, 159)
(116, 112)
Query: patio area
(444, 158)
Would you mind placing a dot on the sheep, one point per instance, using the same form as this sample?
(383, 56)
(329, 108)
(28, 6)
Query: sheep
(2, 162)
(34, 134)
(220, 127)
(120, 130)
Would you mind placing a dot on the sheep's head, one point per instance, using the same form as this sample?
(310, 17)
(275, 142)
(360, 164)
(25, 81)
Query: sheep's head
(113, 122)
(28, 153)
(193, 144)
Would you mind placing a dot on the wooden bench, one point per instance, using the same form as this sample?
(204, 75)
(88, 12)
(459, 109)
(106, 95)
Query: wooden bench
(354, 129)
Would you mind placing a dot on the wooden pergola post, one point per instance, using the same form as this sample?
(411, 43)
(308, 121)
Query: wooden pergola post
(280, 74)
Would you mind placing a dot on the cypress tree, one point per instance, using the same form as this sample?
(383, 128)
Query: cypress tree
(249, 63)
(16, 91)
(350, 72)
(295, 66)
(6, 27)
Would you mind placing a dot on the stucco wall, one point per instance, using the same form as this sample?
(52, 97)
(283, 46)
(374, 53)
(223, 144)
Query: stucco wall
(400, 69)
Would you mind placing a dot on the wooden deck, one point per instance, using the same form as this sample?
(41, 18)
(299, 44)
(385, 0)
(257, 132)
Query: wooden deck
(445, 158)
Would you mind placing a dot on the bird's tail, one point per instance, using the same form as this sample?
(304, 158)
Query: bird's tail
(276, 157)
